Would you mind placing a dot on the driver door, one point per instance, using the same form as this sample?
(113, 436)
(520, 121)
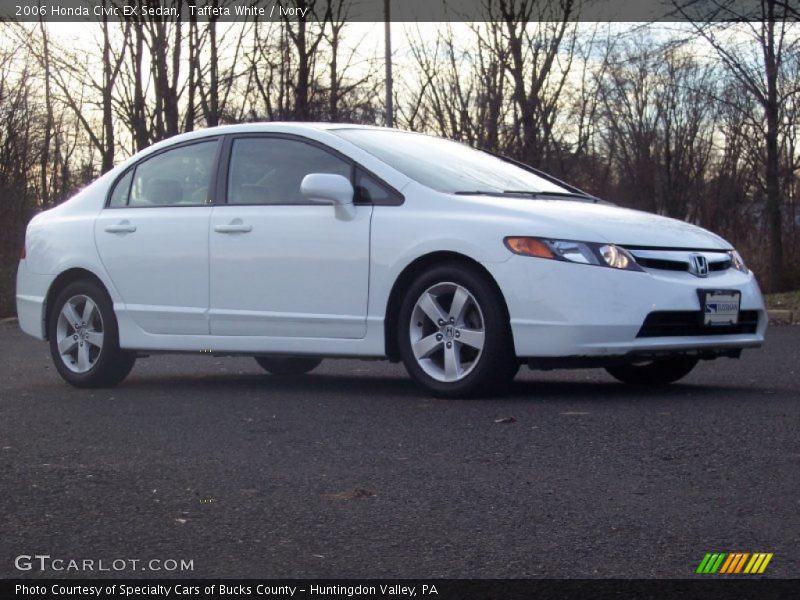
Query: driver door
(279, 265)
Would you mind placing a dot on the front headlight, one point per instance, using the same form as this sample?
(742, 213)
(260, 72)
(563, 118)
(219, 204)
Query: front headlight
(737, 262)
(587, 253)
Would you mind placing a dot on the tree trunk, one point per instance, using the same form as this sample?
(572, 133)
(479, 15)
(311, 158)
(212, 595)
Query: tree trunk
(772, 109)
(108, 92)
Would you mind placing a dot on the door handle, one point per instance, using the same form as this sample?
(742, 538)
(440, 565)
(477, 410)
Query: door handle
(121, 227)
(233, 227)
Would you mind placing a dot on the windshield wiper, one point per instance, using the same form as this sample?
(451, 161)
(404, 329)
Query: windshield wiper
(546, 194)
(478, 193)
(529, 193)
(495, 193)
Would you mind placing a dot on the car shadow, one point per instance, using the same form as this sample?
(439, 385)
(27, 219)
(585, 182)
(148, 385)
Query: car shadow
(390, 387)
(318, 384)
(602, 391)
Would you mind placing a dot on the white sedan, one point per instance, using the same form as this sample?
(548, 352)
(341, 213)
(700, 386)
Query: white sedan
(294, 242)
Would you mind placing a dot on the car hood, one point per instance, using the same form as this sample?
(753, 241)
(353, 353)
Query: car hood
(603, 223)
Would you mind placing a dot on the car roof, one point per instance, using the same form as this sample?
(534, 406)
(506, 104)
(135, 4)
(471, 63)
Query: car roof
(274, 126)
(296, 127)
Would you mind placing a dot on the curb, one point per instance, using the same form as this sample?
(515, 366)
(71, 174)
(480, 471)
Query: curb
(8, 321)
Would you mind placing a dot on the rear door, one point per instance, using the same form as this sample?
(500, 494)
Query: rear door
(153, 238)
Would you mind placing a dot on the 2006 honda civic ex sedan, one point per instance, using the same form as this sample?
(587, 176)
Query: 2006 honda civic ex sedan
(295, 242)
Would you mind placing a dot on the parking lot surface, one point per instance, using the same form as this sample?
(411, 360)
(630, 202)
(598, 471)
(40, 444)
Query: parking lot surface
(352, 471)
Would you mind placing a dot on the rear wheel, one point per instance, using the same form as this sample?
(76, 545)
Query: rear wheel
(288, 365)
(84, 338)
(454, 334)
(661, 371)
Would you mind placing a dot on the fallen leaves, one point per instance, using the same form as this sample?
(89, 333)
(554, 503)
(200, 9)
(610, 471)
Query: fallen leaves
(505, 420)
(353, 494)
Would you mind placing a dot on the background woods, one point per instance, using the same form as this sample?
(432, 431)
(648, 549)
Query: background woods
(695, 121)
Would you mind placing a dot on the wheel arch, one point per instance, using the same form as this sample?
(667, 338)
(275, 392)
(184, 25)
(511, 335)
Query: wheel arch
(61, 282)
(406, 278)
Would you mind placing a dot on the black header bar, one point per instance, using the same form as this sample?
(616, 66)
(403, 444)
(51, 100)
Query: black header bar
(401, 10)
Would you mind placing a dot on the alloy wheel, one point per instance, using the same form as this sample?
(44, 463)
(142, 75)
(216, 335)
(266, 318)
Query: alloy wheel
(79, 333)
(447, 332)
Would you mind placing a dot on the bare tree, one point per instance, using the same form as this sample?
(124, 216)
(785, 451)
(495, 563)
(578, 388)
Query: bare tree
(299, 70)
(70, 78)
(540, 43)
(770, 34)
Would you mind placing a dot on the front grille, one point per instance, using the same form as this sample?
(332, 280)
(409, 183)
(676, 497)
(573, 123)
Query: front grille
(670, 259)
(720, 266)
(669, 323)
(664, 265)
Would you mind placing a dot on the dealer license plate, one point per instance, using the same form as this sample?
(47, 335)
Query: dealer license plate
(720, 307)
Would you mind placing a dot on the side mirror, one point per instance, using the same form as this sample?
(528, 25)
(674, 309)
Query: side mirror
(324, 188)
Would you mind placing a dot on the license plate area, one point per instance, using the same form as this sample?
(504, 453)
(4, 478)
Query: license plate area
(720, 307)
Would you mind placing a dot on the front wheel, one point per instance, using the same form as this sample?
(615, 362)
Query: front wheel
(84, 339)
(287, 366)
(660, 371)
(454, 333)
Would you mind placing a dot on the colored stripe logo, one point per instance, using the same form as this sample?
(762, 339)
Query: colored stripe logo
(733, 563)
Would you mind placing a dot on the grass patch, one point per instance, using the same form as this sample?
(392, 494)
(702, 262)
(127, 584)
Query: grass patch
(784, 301)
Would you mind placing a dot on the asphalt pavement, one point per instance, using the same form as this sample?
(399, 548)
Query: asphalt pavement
(352, 471)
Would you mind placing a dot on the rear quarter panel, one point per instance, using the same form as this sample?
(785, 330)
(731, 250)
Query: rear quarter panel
(61, 239)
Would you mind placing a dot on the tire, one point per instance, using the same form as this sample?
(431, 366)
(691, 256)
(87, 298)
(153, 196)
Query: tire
(454, 333)
(288, 366)
(84, 337)
(662, 371)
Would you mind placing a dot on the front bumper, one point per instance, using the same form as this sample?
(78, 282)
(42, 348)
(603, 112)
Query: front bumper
(560, 309)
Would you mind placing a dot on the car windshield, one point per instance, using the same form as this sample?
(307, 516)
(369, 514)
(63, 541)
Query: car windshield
(449, 166)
